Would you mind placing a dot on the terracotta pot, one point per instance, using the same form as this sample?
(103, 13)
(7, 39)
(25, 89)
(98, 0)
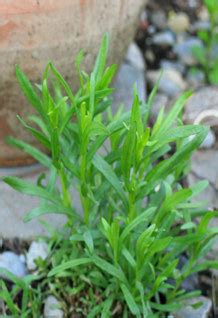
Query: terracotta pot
(32, 32)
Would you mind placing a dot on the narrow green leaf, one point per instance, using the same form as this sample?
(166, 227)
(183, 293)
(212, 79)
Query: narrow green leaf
(128, 256)
(69, 265)
(28, 90)
(109, 268)
(151, 98)
(63, 83)
(89, 241)
(102, 166)
(175, 111)
(29, 188)
(137, 221)
(32, 151)
(106, 308)
(130, 301)
(101, 58)
(92, 95)
(37, 134)
(47, 208)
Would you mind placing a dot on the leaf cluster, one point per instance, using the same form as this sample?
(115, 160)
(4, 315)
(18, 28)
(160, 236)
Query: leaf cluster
(118, 256)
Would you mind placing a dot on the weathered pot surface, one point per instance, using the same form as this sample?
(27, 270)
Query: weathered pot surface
(32, 32)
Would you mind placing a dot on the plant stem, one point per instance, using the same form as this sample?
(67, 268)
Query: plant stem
(66, 195)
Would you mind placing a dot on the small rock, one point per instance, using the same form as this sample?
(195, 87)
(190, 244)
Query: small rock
(187, 311)
(209, 141)
(13, 263)
(195, 78)
(202, 107)
(179, 22)
(151, 30)
(203, 14)
(124, 82)
(191, 283)
(149, 56)
(171, 82)
(144, 16)
(204, 167)
(158, 18)
(200, 26)
(143, 25)
(166, 64)
(131, 72)
(192, 4)
(134, 57)
(184, 50)
(52, 308)
(36, 250)
(164, 39)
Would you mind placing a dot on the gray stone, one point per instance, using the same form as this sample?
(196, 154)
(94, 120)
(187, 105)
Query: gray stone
(179, 22)
(126, 78)
(203, 14)
(151, 30)
(36, 250)
(195, 78)
(160, 101)
(131, 72)
(52, 308)
(202, 107)
(187, 311)
(184, 50)
(209, 141)
(14, 206)
(191, 283)
(159, 19)
(13, 263)
(171, 82)
(165, 38)
(166, 64)
(192, 4)
(204, 167)
(134, 57)
(143, 17)
(200, 25)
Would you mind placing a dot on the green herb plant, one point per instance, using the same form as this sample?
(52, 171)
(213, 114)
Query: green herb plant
(118, 254)
(207, 54)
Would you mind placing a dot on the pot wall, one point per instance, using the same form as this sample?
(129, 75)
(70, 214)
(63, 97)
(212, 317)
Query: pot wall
(32, 32)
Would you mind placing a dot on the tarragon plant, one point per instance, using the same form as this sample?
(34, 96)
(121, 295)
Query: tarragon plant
(118, 255)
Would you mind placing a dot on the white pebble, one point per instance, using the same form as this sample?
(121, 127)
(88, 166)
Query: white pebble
(13, 263)
(52, 308)
(36, 250)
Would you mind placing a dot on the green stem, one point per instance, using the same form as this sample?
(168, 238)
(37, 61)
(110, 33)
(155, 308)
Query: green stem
(85, 201)
(86, 207)
(132, 212)
(66, 195)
